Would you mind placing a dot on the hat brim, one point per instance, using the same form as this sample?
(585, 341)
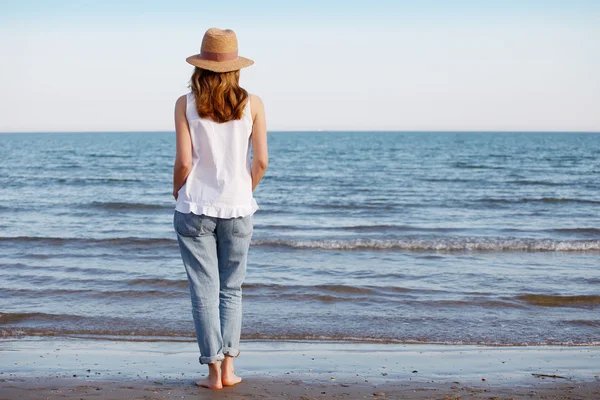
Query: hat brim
(219, 66)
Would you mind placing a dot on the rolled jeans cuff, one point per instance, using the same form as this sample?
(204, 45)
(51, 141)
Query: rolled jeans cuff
(230, 351)
(211, 359)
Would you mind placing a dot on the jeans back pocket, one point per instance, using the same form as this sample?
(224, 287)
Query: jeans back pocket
(243, 226)
(190, 224)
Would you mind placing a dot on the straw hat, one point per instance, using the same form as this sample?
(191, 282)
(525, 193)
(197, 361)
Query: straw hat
(219, 52)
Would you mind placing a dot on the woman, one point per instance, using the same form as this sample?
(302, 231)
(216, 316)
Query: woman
(217, 125)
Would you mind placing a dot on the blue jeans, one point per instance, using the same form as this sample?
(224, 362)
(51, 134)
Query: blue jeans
(214, 252)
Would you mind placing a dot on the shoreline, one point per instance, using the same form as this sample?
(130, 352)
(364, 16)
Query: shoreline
(34, 367)
(32, 335)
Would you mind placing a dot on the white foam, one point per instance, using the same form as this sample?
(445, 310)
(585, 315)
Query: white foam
(440, 244)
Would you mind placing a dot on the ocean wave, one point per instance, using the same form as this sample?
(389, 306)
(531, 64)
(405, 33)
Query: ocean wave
(412, 243)
(582, 231)
(330, 293)
(64, 241)
(108, 155)
(386, 298)
(357, 228)
(78, 181)
(398, 228)
(547, 300)
(451, 180)
(159, 283)
(548, 200)
(177, 335)
(123, 206)
(391, 340)
(9, 318)
(99, 294)
(439, 244)
(343, 289)
(583, 322)
(83, 270)
(359, 206)
(537, 183)
(465, 165)
(175, 288)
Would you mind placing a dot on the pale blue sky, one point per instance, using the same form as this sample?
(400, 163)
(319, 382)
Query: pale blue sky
(382, 65)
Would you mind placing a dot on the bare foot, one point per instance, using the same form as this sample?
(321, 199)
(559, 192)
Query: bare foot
(228, 377)
(209, 383)
(231, 380)
(213, 380)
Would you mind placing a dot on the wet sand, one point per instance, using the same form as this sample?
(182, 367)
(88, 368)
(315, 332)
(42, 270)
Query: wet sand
(73, 368)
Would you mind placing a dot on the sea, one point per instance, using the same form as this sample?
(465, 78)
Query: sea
(484, 238)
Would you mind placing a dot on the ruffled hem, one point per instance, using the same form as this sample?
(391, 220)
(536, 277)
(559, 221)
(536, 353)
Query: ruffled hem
(217, 211)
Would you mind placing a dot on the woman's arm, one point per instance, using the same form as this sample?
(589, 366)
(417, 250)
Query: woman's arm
(260, 155)
(183, 157)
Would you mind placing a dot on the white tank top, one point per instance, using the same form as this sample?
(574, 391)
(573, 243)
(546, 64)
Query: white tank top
(220, 182)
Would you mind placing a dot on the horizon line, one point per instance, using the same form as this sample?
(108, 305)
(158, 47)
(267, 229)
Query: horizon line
(325, 131)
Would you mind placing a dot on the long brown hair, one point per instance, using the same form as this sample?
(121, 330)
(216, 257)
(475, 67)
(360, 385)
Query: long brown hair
(218, 94)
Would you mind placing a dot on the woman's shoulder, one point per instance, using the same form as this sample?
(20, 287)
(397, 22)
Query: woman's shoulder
(181, 105)
(256, 105)
(254, 99)
(183, 99)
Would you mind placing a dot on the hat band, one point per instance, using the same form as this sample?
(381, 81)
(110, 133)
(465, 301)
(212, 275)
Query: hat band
(213, 56)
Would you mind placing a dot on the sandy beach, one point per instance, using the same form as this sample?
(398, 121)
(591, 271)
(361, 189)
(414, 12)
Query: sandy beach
(75, 368)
